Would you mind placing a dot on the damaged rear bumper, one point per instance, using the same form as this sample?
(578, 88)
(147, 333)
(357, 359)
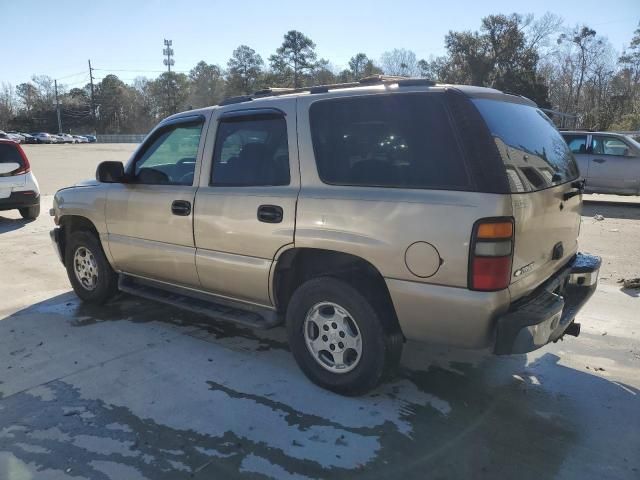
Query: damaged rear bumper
(548, 313)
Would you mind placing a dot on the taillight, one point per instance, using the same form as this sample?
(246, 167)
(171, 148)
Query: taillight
(490, 254)
(26, 167)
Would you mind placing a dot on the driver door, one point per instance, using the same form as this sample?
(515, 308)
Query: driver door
(614, 166)
(150, 217)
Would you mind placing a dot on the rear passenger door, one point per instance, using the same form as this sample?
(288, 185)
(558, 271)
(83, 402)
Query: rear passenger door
(245, 207)
(614, 166)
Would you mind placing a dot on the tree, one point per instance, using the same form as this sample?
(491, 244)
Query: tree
(295, 57)
(399, 61)
(7, 106)
(207, 85)
(322, 74)
(497, 56)
(244, 70)
(168, 93)
(357, 65)
(28, 94)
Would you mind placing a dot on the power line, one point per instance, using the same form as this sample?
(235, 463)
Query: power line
(141, 71)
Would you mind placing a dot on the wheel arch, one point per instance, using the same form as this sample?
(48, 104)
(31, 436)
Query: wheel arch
(73, 223)
(294, 266)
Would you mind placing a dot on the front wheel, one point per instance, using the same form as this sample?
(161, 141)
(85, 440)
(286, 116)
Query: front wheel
(337, 337)
(88, 269)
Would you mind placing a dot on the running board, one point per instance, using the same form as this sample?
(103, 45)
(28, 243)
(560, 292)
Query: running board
(248, 315)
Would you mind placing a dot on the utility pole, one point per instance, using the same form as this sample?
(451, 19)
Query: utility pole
(55, 84)
(168, 52)
(93, 102)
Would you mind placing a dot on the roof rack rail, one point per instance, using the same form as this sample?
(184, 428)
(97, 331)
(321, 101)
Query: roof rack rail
(366, 81)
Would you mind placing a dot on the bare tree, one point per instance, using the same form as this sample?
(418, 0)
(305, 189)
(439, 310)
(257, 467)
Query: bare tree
(399, 61)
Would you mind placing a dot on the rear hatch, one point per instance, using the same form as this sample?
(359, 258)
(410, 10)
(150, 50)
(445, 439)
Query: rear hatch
(8, 181)
(541, 171)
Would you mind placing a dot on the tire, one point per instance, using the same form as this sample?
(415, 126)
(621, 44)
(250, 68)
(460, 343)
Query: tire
(99, 281)
(380, 351)
(30, 213)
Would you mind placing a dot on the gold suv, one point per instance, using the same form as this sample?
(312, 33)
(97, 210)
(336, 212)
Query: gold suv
(359, 215)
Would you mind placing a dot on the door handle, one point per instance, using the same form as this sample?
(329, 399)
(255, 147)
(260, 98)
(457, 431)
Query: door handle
(181, 208)
(599, 160)
(270, 213)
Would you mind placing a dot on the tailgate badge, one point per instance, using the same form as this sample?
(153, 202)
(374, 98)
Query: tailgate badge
(526, 269)
(558, 251)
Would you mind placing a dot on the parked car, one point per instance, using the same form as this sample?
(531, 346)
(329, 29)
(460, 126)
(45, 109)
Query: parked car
(16, 137)
(5, 136)
(609, 162)
(18, 185)
(57, 138)
(360, 217)
(42, 137)
(29, 139)
(67, 138)
(80, 139)
(91, 138)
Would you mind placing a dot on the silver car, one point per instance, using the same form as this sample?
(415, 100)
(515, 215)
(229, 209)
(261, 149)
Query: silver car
(609, 162)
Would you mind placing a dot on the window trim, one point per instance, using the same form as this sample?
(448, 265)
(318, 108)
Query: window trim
(248, 115)
(160, 130)
(471, 187)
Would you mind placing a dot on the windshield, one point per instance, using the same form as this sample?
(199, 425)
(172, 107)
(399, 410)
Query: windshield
(533, 151)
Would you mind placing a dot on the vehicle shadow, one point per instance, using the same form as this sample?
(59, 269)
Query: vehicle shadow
(237, 406)
(611, 210)
(10, 224)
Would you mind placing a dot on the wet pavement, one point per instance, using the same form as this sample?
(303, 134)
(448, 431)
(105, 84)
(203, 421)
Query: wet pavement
(135, 390)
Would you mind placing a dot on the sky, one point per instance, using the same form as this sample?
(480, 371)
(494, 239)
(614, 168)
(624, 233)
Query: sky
(56, 38)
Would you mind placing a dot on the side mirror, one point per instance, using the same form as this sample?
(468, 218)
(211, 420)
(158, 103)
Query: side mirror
(110, 172)
(8, 167)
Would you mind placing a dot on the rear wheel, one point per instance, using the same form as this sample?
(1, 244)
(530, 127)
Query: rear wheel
(88, 269)
(30, 213)
(337, 337)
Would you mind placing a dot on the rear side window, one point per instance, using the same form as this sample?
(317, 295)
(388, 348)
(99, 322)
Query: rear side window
(577, 143)
(533, 151)
(10, 154)
(402, 141)
(251, 151)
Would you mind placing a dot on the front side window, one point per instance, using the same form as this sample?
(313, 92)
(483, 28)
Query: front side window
(609, 146)
(577, 143)
(170, 157)
(251, 151)
(534, 153)
(401, 141)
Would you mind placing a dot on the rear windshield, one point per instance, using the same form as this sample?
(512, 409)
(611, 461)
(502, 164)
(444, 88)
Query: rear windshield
(398, 141)
(9, 154)
(533, 151)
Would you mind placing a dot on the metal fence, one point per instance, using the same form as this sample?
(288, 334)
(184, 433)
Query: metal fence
(121, 138)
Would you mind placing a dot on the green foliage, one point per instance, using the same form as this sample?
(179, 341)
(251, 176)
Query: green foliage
(244, 71)
(497, 56)
(294, 58)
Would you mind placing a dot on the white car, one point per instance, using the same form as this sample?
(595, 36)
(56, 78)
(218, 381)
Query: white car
(16, 137)
(80, 139)
(19, 188)
(43, 137)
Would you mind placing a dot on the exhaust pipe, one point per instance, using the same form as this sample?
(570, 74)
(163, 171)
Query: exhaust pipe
(573, 329)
